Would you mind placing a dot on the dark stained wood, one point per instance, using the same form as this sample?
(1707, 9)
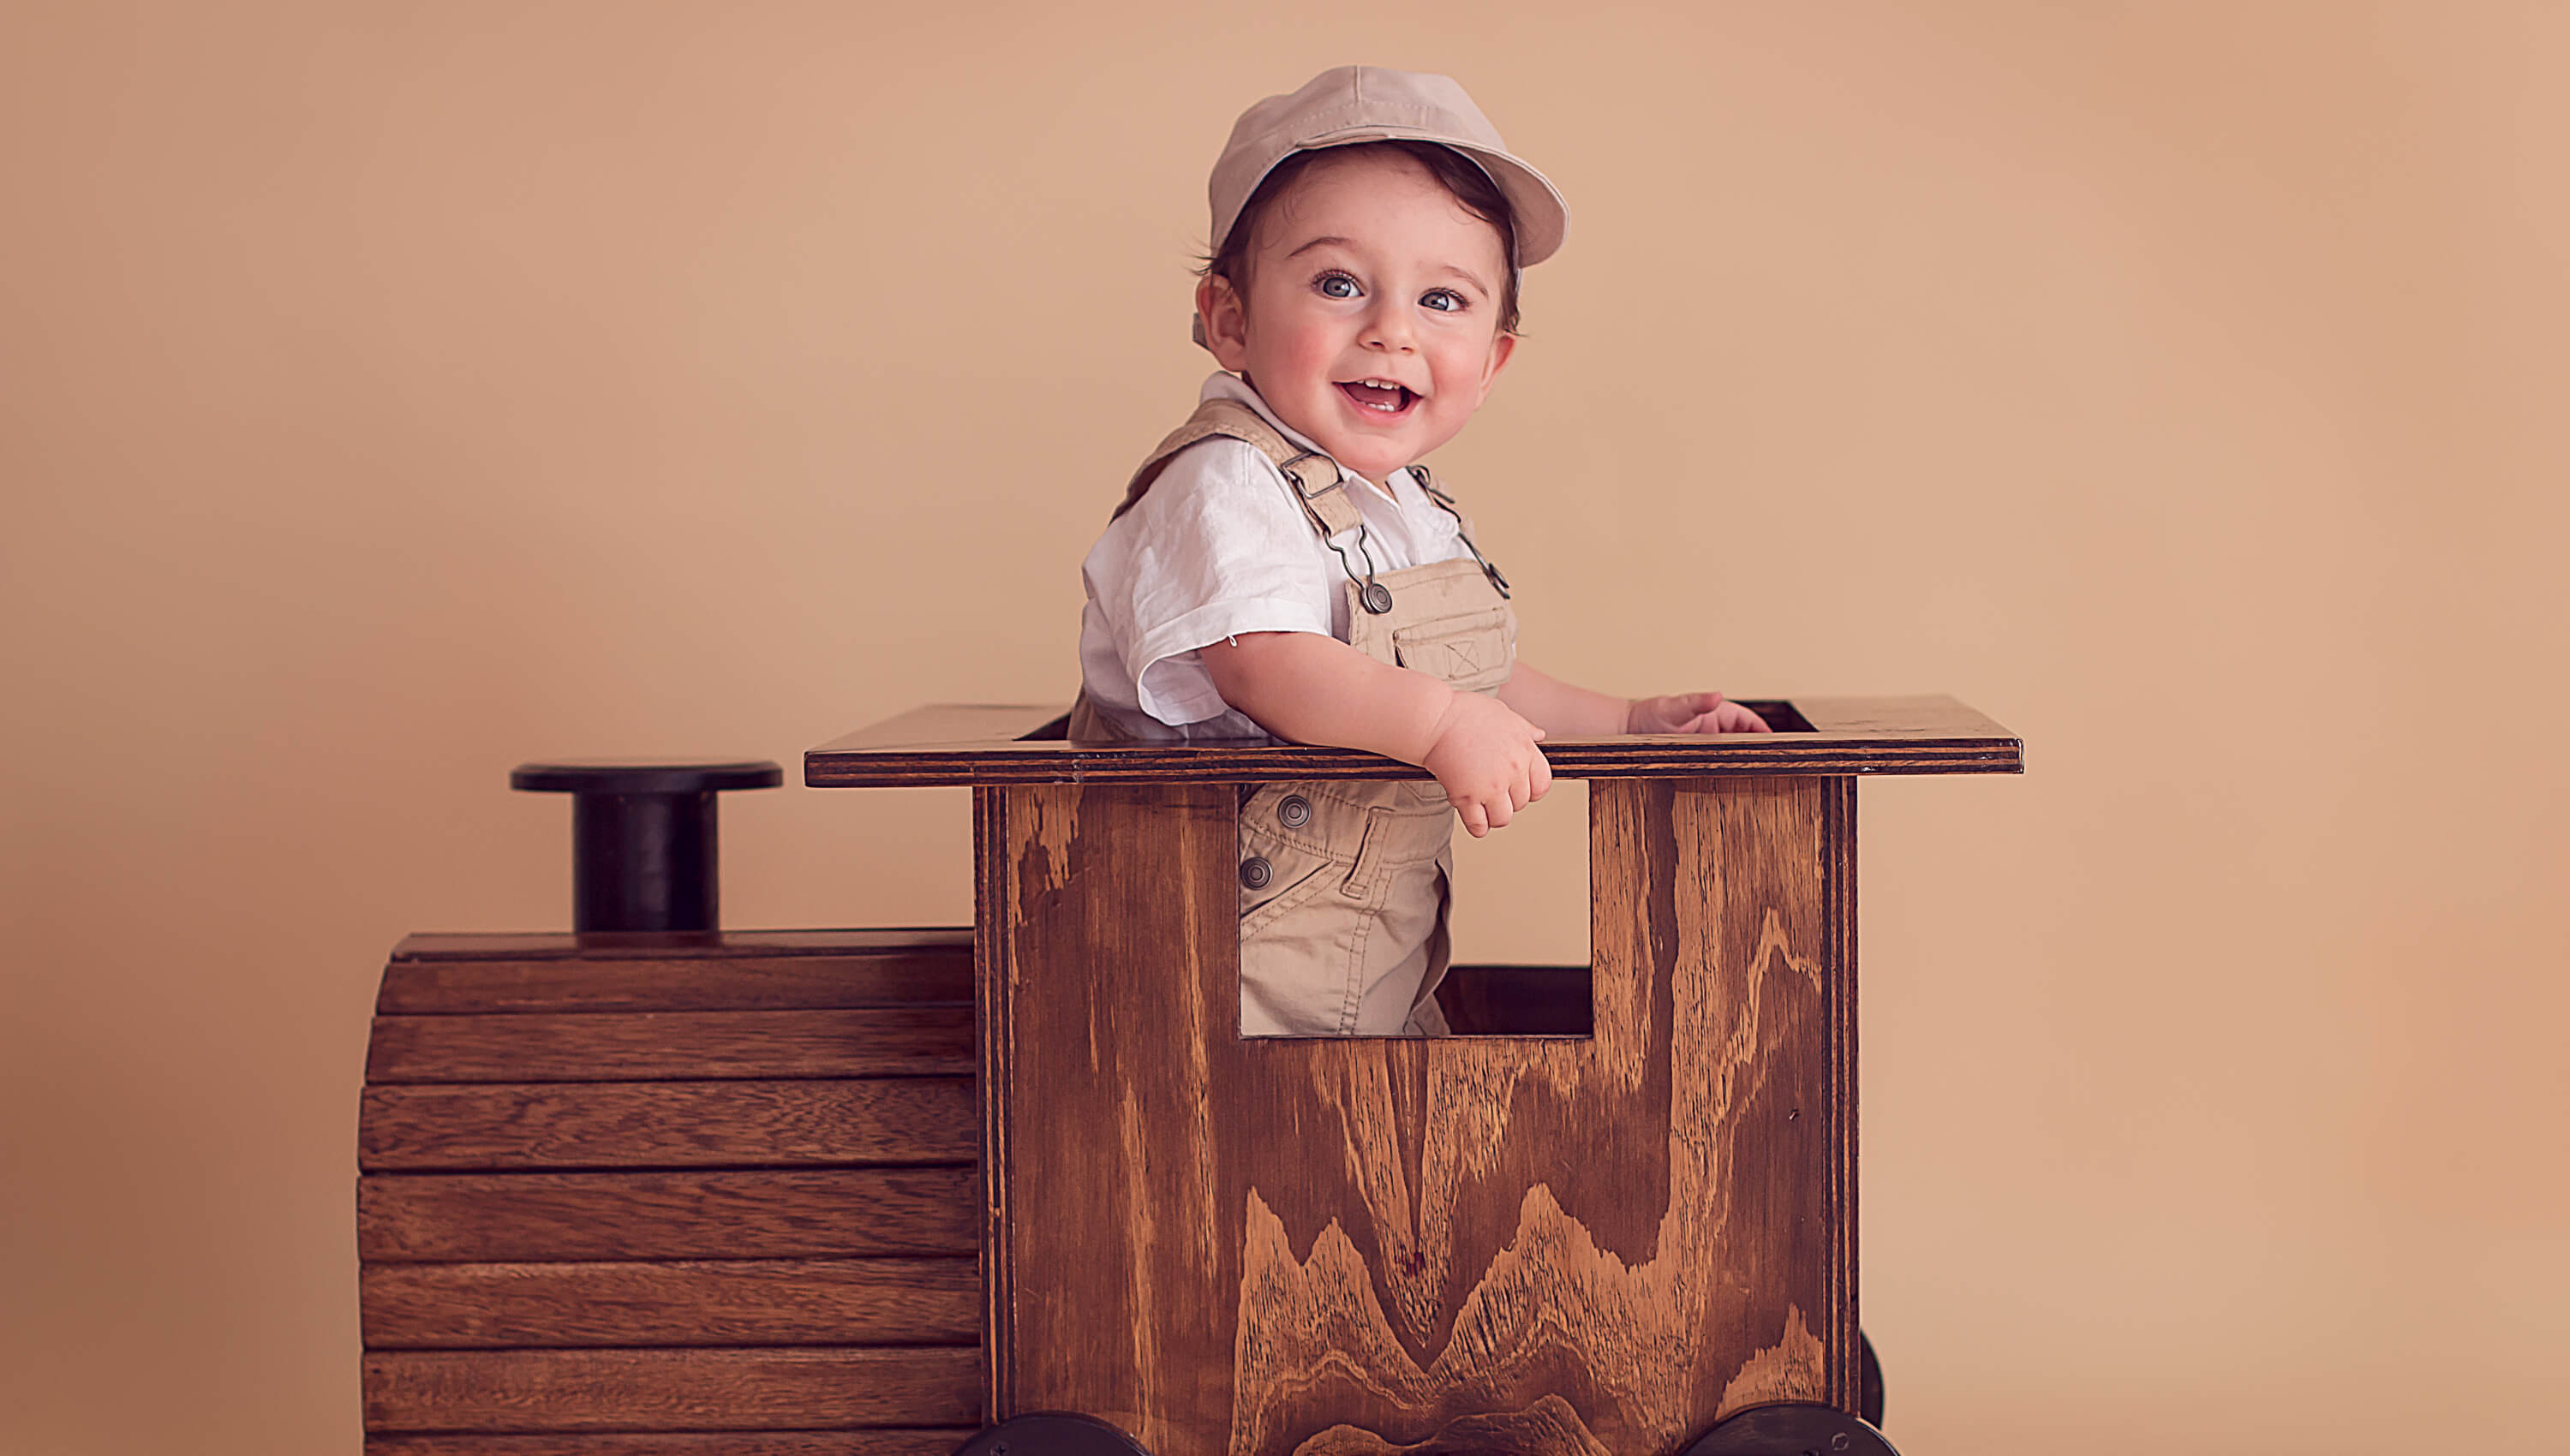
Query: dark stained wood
(1550, 1426)
(993, 1001)
(760, 1214)
(1240, 1246)
(667, 1124)
(1841, 1330)
(877, 1042)
(640, 1194)
(675, 1389)
(940, 724)
(1926, 717)
(1115, 1266)
(939, 1442)
(1730, 893)
(983, 746)
(684, 1303)
(775, 972)
(853, 944)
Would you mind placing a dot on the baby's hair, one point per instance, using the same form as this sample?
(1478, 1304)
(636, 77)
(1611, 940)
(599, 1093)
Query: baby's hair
(1470, 186)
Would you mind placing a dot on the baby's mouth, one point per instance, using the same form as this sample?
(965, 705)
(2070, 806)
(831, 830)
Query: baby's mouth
(1380, 399)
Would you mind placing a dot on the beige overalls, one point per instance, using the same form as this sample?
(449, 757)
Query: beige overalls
(1344, 883)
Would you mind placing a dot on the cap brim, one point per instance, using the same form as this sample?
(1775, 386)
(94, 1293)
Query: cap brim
(1542, 219)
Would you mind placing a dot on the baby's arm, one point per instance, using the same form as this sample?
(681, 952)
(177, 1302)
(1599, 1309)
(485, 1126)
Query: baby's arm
(1568, 711)
(1316, 689)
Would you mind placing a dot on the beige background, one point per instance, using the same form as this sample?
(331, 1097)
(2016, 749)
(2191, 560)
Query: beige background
(392, 393)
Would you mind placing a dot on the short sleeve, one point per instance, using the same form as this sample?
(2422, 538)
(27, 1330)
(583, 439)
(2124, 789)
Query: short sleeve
(1214, 549)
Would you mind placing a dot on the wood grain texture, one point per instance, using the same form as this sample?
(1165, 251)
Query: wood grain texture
(667, 1124)
(939, 725)
(875, 1041)
(1109, 1270)
(637, 1194)
(837, 1301)
(1550, 1426)
(670, 1390)
(760, 1214)
(994, 1001)
(698, 945)
(934, 1442)
(1921, 735)
(1410, 1245)
(1842, 1332)
(552, 974)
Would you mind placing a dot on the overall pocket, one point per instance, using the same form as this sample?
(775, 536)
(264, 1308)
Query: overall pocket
(1468, 651)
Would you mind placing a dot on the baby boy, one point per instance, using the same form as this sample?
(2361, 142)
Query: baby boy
(1284, 566)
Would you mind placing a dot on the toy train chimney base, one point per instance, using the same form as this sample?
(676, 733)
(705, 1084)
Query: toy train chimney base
(643, 854)
(688, 1193)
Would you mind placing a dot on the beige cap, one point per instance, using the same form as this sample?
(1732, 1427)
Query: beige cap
(1351, 104)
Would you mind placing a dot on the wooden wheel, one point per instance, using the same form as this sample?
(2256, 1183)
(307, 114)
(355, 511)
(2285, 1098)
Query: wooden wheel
(1793, 1430)
(1869, 1400)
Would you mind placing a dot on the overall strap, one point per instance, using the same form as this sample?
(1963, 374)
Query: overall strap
(1314, 476)
(1463, 526)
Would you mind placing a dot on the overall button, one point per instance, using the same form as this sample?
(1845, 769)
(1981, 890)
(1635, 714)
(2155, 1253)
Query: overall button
(1294, 810)
(1255, 872)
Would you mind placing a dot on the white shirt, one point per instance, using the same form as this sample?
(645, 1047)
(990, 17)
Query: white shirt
(1218, 547)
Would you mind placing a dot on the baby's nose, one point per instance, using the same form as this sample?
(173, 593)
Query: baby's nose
(1388, 329)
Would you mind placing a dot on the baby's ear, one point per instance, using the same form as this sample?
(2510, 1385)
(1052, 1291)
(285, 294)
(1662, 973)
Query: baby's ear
(1501, 347)
(1221, 326)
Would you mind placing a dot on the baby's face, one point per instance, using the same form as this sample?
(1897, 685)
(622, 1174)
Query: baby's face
(1367, 272)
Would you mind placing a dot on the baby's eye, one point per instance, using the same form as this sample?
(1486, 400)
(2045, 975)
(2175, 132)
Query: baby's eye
(1445, 300)
(1337, 285)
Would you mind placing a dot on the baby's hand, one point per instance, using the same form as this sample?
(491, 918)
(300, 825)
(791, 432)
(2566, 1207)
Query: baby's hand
(1691, 713)
(1484, 758)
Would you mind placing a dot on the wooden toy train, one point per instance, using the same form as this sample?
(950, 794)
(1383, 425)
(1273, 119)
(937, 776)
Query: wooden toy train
(673, 1190)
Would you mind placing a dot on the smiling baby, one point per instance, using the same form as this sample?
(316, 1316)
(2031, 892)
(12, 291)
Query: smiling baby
(1283, 565)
